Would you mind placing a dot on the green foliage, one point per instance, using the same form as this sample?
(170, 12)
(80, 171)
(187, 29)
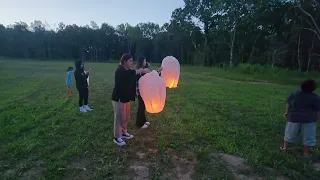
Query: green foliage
(211, 33)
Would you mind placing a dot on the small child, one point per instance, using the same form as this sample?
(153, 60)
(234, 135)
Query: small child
(302, 112)
(69, 81)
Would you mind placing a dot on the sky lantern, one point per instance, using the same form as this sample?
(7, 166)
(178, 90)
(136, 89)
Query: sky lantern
(88, 79)
(171, 71)
(153, 92)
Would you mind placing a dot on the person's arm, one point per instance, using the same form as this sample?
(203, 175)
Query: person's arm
(86, 74)
(119, 82)
(159, 70)
(287, 107)
(138, 71)
(76, 75)
(318, 115)
(317, 107)
(141, 71)
(146, 70)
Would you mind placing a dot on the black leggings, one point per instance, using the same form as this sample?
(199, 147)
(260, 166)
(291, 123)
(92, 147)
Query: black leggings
(83, 96)
(141, 115)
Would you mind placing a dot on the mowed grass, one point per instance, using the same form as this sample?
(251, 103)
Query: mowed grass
(43, 136)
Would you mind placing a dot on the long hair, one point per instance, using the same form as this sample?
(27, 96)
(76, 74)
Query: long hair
(124, 58)
(140, 61)
(69, 69)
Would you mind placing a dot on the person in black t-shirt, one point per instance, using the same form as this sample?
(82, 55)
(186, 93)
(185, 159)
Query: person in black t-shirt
(302, 113)
(123, 93)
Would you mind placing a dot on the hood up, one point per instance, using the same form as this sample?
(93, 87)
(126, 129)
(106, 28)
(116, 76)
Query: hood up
(78, 65)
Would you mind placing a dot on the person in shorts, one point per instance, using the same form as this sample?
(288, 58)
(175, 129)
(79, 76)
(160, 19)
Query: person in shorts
(302, 112)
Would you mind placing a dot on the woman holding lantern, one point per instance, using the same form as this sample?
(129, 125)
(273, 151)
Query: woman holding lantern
(121, 97)
(141, 121)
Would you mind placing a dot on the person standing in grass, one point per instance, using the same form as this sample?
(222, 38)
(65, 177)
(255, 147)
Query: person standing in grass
(141, 121)
(122, 94)
(302, 112)
(82, 86)
(69, 81)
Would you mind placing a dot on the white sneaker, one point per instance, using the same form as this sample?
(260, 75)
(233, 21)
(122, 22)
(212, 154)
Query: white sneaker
(127, 136)
(83, 110)
(119, 141)
(147, 123)
(87, 108)
(145, 126)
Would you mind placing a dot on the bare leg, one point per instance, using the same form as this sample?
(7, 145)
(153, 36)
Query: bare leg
(285, 146)
(71, 93)
(68, 91)
(307, 150)
(126, 119)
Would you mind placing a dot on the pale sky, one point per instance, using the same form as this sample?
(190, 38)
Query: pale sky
(81, 12)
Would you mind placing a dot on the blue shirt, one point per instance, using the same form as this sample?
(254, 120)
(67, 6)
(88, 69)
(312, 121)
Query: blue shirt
(69, 78)
(303, 107)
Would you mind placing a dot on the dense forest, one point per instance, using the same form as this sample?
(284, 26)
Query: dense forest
(279, 33)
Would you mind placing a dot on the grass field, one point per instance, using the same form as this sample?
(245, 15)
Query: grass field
(213, 111)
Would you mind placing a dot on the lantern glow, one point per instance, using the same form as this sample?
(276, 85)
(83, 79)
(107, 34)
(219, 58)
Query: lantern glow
(171, 71)
(153, 92)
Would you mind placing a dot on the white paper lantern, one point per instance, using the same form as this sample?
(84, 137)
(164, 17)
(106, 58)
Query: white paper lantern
(171, 71)
(88, 79)
(153, 92)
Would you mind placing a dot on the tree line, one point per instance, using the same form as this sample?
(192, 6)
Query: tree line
(283, 33)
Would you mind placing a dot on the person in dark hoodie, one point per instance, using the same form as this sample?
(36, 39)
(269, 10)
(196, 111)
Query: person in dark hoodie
(82, 85)
(141, 120)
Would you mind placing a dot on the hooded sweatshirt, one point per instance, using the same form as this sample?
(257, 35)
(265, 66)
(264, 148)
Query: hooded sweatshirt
(80, 76)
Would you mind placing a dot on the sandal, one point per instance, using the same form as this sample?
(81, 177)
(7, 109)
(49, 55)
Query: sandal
(282, 149)
(286, 150)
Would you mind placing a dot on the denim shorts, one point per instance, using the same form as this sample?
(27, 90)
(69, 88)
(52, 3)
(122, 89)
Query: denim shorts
(308, 131)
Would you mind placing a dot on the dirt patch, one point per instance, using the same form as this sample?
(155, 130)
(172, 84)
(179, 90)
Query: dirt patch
(145, 144)
(77, 169)
(79, 163)
(34, 173)
(240, 169)
(181, 165)
(316, 166)
(141, 172)
(153, 150)
(148, 162)
(141, 155)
